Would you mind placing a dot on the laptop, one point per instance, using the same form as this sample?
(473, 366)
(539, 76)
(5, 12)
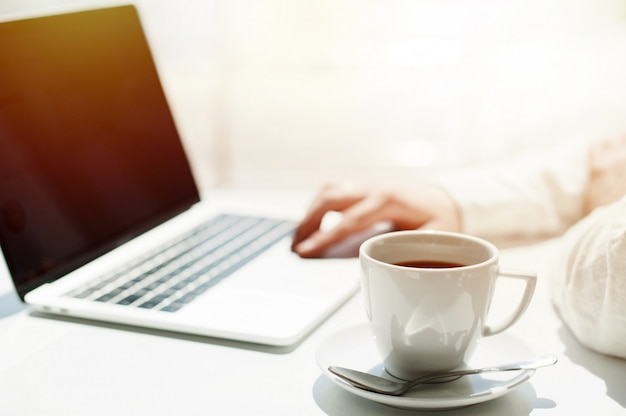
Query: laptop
(100, 216)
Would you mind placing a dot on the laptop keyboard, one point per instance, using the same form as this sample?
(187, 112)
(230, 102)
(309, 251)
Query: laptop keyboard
(172, 276)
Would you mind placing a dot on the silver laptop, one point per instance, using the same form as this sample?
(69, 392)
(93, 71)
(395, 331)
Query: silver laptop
(100, 217)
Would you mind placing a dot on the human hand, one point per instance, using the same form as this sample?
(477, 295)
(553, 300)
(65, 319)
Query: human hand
(423, 207)
(607, 174)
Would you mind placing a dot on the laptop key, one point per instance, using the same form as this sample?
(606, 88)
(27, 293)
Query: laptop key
(148, 305)
(129, 300)
(105, 298)
(172, 307)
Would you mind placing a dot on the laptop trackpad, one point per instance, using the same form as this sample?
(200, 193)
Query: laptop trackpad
(274, 295)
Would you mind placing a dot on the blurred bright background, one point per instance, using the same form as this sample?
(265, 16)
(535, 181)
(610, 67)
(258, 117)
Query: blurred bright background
(292, 94)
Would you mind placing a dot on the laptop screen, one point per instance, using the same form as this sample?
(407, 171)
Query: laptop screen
(89, 153)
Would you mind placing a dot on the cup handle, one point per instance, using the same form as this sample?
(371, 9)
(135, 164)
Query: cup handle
(530, 280)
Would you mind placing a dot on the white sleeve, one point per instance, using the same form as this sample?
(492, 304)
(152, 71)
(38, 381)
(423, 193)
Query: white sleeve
(537, 194)
(588, 281)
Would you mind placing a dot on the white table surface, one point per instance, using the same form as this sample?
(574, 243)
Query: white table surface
(51, 366)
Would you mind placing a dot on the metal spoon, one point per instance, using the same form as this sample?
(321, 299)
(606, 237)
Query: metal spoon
(382, 385)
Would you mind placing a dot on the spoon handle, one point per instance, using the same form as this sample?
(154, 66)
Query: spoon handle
(383, 385)
(533, 364)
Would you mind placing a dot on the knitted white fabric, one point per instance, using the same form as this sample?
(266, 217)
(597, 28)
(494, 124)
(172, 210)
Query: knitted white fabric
(589, 279)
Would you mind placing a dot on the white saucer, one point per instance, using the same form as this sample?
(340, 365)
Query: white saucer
(354, 348)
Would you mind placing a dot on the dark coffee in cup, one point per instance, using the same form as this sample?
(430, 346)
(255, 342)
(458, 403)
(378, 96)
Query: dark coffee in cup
(430, 264)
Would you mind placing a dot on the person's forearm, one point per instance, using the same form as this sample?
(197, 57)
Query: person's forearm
(539, 194)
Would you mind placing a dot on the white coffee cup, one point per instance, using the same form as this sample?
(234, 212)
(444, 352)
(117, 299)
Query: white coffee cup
(431, 318)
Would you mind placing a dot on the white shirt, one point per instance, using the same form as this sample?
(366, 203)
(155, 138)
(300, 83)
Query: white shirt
(541, 195)
(536, 194)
